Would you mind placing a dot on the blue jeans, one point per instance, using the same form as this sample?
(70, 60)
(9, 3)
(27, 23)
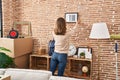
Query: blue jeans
(60, 60)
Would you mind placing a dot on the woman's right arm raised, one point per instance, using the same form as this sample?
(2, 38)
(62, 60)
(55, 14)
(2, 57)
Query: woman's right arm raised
(75, 28)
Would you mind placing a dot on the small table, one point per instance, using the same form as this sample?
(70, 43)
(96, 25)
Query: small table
(5, 77)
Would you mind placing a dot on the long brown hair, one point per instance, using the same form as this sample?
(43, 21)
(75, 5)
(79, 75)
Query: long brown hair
(60, 28)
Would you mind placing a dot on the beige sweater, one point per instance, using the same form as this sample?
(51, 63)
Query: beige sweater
(62, 41)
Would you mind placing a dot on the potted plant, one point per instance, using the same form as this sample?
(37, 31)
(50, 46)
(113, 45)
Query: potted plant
(82, 55)
(5, 60)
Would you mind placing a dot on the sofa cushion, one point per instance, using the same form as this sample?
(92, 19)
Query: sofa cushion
(28, 74)
(2, 71)
(63, 78)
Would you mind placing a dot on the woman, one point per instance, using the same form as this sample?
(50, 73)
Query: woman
(61, 37)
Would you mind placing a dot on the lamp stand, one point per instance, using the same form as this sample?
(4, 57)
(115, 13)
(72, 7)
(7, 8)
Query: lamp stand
(116, 54)
(98, 60)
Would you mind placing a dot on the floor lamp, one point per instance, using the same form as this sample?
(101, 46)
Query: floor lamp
(99, 31)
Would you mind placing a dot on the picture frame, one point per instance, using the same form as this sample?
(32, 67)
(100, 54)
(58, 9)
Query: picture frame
(87, 50)
(71, 17)
(26, 25)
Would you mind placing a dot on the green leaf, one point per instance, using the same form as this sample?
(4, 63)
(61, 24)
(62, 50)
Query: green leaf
(5, 60)
(4, 49)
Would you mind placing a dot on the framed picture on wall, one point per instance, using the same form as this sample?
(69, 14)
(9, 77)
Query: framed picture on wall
(71, 17)
(86, 50)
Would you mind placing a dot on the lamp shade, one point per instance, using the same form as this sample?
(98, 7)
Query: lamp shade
(99, 31)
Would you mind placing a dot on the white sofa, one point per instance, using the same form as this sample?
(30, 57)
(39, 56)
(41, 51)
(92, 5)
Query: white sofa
(63, 78)
(26, 74)
(29, 74)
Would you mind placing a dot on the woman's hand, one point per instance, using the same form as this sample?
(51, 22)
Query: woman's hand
(77, 23)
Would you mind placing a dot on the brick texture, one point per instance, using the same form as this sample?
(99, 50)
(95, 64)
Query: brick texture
(43, 13)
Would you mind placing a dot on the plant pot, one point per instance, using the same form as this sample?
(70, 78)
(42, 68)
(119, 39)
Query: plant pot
(82, 57)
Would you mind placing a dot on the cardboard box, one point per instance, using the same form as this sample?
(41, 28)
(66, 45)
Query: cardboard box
(20, 48)
(5, 77)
